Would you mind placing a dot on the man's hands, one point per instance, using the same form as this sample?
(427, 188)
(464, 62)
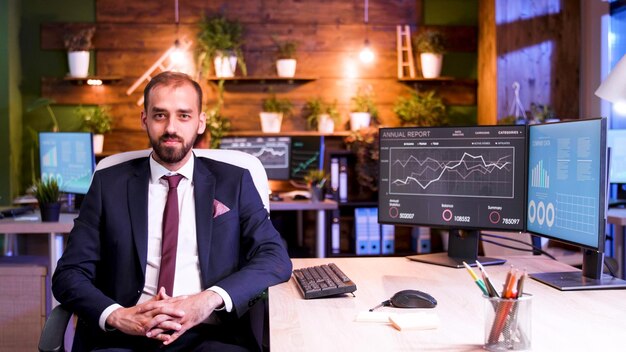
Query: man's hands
(165, 318)
(196, 308)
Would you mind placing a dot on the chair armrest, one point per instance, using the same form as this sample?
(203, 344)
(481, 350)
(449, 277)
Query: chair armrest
(53, 334)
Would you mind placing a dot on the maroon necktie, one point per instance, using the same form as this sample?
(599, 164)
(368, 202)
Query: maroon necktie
(169, 241)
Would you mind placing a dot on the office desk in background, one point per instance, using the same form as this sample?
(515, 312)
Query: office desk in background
(561, 321)
(299, 206)
(54, 231)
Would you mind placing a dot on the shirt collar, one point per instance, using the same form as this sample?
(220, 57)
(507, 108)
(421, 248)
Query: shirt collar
(157, 170)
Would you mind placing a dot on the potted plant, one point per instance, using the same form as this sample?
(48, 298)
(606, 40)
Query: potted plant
(363, 109)
(219, 42)
(420, 109)
(431, 46)
(286, 58)
(47, 194)
(322, 114)
(78, 44)
(315, 180)
(217, 124)
(98, 121)
(272, 113)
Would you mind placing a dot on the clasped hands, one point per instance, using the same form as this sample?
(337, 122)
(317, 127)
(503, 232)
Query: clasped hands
(165, 318)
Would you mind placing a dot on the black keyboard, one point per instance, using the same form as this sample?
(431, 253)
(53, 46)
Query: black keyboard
(322, 281)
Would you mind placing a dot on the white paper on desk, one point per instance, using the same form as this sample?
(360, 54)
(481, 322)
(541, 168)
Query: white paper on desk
(415, 321)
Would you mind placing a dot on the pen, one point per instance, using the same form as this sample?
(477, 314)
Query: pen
(490, 288)
(478, 281)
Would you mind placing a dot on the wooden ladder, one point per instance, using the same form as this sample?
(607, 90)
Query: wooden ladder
(405, 52)
(161, 65)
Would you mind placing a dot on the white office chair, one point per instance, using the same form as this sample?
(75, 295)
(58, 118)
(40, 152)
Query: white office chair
(52, 336)
(233, 157)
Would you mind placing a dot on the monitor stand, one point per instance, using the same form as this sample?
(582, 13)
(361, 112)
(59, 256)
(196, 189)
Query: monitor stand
(462, 247)
(590, 278)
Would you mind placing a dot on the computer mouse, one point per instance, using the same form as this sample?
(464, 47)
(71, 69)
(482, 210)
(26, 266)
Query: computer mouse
(412, 299)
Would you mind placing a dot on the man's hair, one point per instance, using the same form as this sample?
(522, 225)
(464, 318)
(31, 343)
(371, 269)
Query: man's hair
(169, 78)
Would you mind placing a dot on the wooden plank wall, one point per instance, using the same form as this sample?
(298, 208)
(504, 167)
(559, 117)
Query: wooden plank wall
(538, 45)
(131, 35)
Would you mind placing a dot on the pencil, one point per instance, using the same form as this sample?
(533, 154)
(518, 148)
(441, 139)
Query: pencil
(490, 288)
(477, 280)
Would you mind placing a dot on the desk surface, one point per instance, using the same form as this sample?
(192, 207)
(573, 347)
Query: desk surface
(64, 225)
(562, 321)
(616, 216)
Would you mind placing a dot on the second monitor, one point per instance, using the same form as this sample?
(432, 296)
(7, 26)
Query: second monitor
(458, 178)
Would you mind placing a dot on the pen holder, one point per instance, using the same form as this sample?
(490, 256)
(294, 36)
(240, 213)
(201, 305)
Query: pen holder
(508, 323)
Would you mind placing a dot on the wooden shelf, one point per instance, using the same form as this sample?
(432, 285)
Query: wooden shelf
(286, 133)
(86, 80)
(439, 81)
(262, 80)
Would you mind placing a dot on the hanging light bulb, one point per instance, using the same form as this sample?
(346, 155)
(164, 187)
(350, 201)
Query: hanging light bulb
(366, 55)
(177, 55)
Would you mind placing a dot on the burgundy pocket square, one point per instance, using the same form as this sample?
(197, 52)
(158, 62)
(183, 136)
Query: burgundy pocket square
(219, 208)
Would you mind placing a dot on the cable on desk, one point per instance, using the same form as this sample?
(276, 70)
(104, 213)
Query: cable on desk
(534, 248)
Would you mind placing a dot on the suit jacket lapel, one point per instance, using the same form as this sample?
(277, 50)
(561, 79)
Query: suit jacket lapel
(204, 193)
(138, 205)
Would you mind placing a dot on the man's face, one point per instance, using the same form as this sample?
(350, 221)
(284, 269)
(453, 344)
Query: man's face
(173, 121)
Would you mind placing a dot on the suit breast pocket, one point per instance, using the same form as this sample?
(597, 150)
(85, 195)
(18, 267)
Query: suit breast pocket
(229, 219)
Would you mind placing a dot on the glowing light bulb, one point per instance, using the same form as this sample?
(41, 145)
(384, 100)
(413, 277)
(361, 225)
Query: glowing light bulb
(366, 55)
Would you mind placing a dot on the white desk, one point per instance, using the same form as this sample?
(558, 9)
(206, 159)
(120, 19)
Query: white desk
(617, 218)
(54, 230)
(562, 321)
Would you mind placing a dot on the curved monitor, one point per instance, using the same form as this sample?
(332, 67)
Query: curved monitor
(69, 158)
(459, 178)
(273, 151)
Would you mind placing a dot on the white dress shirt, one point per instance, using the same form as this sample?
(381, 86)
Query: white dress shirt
(187, 275)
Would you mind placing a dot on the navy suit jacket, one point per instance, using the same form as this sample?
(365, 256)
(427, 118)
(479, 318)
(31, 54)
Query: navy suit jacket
(105, 259)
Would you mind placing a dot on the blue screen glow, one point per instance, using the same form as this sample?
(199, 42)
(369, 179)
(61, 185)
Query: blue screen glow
(68, 157)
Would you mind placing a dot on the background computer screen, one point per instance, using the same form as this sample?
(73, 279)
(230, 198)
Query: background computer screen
(616, 140)
(69, 158)
(567, 181)
(273, 152)
(453, 177)
(307, 153)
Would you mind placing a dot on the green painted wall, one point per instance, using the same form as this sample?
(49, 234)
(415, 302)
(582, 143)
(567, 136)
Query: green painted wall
(37, 63)
(455, 64)
(10, 101)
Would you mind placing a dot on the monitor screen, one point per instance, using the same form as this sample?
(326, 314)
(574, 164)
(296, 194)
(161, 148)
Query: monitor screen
(567, 181)
(272, 151)
(453, 177)
(460, 178)
(616, 140)
(567, 186)
(69, 158)
(306, 154)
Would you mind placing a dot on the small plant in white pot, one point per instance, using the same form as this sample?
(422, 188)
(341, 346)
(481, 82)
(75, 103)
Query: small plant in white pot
(98, 121)
(78, 43)
(272, 113)
(363, 109)
(286, 58)
(431, 46)
(219, 42)
(321, 115)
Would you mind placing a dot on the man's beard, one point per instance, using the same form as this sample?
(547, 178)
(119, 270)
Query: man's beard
(170, 155)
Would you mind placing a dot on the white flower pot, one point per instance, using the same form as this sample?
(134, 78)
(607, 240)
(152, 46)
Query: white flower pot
(431, 64)
(79, 63)
(325, 124)
(359, 120)
(286, 67)
(271, 121)
(98, 143)
(225, 65)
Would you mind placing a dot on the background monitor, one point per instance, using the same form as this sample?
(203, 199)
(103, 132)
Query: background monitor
(307, 153)
(69, 158)
(616, 140)
(459, 178)
(273, 152)
(567, 185)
